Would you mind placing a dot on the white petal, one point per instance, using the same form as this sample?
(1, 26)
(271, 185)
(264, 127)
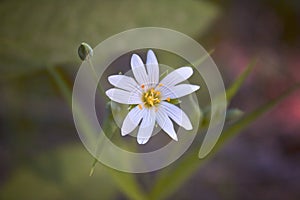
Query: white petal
(139, 70)
(146, 127)
(132, 119)
(177, 115)
(178, 91)
(177, 76)
(123, 82)
(165, 123)
(124, 97)
(152, 67)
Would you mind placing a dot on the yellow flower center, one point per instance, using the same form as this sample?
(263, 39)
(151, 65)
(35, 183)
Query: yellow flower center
(151, 98)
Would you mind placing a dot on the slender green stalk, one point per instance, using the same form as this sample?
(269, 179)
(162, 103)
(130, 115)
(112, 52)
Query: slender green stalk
(125, 181)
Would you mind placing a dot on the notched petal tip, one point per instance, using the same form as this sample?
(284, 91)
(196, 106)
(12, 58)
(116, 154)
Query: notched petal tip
(142, 140)
(111, 79)
(177, 76)
(188, 126)
(175, 138)
(150, 51)
(186, 72)
(151, 57)
(187, 69)
(172, 134)
(195, 87)
(124, 133)
(136, 61)
(109, 93)
(134, 56)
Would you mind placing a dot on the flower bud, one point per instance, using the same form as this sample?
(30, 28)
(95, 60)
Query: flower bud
(85, 51)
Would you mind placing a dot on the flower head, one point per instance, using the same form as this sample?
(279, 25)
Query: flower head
(152, 97)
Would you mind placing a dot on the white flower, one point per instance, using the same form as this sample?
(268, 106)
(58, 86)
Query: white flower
(151, 97)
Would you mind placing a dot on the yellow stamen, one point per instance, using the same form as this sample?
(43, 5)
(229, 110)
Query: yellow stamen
(151, 97)
(168, 99)
(142, 86)
(159, 85)
(140, 107)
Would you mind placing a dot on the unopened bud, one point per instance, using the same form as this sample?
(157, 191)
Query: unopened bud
(85, 51)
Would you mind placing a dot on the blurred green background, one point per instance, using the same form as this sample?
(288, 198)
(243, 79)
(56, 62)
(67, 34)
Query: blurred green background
(41, 154)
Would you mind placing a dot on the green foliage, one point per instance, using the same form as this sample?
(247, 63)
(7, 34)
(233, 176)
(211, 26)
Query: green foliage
(67, 168)
(48, 33)
(170, 180)
(128, 185)
(126, 181)
(234, 88)
(232, 115)
(245, 121)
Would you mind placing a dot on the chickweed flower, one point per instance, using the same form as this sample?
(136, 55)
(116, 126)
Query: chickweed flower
(151, 99)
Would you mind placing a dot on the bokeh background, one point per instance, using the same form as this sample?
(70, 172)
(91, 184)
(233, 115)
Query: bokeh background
(41, 154)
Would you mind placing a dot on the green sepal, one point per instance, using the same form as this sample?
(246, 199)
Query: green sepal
(174, 101)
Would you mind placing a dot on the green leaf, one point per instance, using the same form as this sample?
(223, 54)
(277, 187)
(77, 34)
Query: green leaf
(245, 121)
(34, 34)
(203, 58)
(130, 107)
(237, 84)
(128, 184)
(62, 85)
(59, 174)
(175, 101)
(125, 181)
(170, 180)
(232, 115)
